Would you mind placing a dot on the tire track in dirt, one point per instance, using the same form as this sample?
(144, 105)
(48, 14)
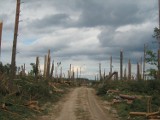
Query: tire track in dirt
(80, 104)
(96, 111)
(89, 107)
(68, 110)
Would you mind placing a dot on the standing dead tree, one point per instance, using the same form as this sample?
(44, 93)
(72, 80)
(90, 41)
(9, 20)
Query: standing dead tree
(100, 74)
(1, 25)
(47, 61)
(129, 69)
(52, 69)
(48, 64)
(121, 65)
(36, 69)
(111, 65)
(13, 60)
(138, 71)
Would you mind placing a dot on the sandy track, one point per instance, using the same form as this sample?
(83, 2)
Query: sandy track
(80, 104)
(67, 112)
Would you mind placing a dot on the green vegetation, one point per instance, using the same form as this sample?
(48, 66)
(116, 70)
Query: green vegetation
(16, 105)
(141, 88)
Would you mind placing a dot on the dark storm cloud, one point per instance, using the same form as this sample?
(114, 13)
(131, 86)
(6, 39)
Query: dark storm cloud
(112, 12)
(50, 21)
(130, 40)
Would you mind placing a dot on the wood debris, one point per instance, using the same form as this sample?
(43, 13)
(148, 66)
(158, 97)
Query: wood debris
(149, 116)
(33, 105)
(55, 88)
(128, 97)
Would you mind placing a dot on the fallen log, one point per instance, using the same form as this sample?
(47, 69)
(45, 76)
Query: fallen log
(137, 113)
(127, 97)
(113, 91)
(152, 114)
(154, 117)
(144, 114)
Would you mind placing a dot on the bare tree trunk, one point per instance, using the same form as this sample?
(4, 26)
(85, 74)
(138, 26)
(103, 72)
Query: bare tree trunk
(1, 25)
(125, 74)
(52, 69)
(24, 68)
(121, 65)
(129, 69)
(158, 76)
(111, 65)
(13, 61)
(100, 74)
(37, 70)
(70, 72)
(138, 72)
(45, 66)
(144, 62)
(48, 64)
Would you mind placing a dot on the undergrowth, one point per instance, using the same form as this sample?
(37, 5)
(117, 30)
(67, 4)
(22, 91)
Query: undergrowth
(27, 89)
(143, 88)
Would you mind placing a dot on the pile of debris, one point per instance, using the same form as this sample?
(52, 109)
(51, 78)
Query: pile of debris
(119, 98)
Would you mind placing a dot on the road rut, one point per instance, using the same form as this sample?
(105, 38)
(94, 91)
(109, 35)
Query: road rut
(80, 104)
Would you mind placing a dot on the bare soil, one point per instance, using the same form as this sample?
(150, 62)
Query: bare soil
(80, 104)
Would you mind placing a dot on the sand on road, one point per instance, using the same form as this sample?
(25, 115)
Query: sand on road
(80, 104)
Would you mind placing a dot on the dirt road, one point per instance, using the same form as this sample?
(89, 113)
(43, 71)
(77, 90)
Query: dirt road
(80, 104)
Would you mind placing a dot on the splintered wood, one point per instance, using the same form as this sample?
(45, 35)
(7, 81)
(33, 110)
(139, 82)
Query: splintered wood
(33, 105)
(55, 88)
(121, 97)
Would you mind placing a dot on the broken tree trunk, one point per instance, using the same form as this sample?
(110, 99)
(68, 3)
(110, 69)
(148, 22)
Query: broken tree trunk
(149, 99)
(48, 65)
(52, 69)
(129, 69)
(137, 113)
(1, 25)
(127, 97)
(36, 69)
(121, 65)
(14, 48)
(45, 66)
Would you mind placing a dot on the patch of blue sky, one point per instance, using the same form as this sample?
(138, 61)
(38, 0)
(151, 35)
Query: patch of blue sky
(7, 36)
(28, 41)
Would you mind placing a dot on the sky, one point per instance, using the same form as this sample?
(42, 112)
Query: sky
(83, 33)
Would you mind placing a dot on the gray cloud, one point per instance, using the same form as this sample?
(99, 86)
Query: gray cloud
(113, 12)
(51, 21)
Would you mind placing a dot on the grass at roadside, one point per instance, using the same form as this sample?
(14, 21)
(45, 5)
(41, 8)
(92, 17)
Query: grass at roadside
(142, 88)
(29, 98)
